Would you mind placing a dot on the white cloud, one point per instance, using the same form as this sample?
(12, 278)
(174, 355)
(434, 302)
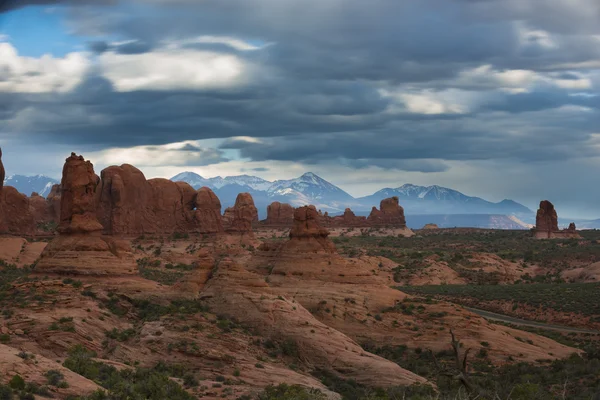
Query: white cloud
(188, 153)
(429, 102)
(534, 37)
(234, 43)
(486, 77)
(38, 75)
(166, 69)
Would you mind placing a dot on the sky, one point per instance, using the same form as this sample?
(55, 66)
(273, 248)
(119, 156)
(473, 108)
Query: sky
(495, 98)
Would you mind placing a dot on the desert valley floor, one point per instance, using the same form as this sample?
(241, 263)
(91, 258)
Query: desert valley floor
(368, 317)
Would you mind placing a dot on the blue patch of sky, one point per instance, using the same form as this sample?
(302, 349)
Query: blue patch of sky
(38, 30)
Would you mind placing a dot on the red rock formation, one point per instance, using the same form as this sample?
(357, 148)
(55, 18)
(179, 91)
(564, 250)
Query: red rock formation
(130, 204)
(546, 224)
(53, 201)
(572, 227)
(307, 235)
(80, 248)
(546, 219)
(348, 219)
(390, 213)
(39, 208)
(15, 214)
(77, 206)
(280, 214)
(2, 172)
(239, 218)
(431, 226)
(207, 208)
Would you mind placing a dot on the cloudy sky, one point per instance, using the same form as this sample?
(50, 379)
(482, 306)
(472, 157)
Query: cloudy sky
(496, 98)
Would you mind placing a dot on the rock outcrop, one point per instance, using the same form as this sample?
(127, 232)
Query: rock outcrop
(546, 219)
(279, 215)
(346, 220)
(244, 295)
(80, 248)
(207, 213)
(128, 204)
(39, 208)
(307, 235)
(15, 213)
(240, 217)
(431, 226)
(2, 172)
(546, 224)
(53, 201)
(390, 213)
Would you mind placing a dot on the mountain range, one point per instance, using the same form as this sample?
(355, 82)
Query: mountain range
(28, 184)
(422, 204)
(312, 189)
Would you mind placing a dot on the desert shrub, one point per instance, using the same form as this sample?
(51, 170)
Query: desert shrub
(138, 384)
(290, 392)
(55, 377)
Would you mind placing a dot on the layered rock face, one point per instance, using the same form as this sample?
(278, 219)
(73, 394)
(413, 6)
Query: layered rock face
(546, 224)
(244, 295)
(280, 214)
(307, 235)
(80, 248)
(390, 213)
(240, 217)
(128, 204)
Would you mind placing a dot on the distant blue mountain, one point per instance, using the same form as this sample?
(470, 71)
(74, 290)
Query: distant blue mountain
(312, 189)
(28, 184)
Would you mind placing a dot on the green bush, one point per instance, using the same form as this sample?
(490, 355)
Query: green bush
(290, 392)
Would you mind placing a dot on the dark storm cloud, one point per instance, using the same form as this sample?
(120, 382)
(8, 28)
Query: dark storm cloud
(316, 91)
(7, 5)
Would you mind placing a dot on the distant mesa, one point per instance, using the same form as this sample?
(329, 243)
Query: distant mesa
(546, 224)
(80, 249)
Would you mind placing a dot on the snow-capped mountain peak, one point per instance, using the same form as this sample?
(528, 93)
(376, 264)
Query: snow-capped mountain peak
(28, 184)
